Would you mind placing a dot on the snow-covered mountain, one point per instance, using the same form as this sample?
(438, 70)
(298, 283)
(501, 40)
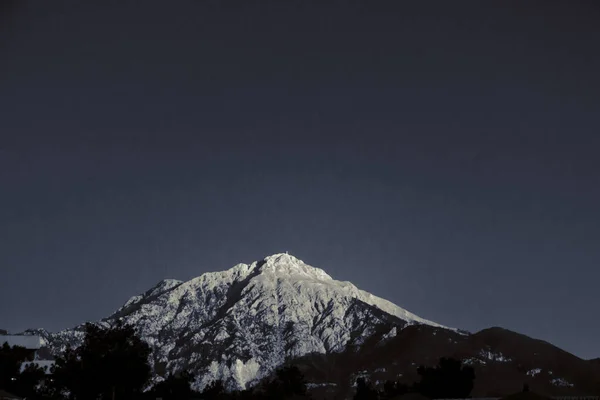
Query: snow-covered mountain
(240, 324)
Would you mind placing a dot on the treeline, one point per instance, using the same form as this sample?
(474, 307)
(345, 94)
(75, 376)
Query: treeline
(112, 364)
(449, 380)
(26, 382)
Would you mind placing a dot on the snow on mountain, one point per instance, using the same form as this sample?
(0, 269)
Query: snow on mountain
(240, 324)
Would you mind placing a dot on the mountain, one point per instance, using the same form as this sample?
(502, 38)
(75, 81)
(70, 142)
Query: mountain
(240, 324)
(503, 362)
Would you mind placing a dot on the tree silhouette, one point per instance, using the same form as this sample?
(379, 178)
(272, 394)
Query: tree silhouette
(365, 390)
(11, 377)
(393, 389)
(27, 383)
(448, 380)
(175, 387)
(111, 364)
(11, 359)
(288, 382)
(215, 390)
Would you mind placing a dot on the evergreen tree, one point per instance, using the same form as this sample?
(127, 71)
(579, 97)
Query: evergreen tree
(393, 389)
(111, 364)
(27, 383)
(288, 382)
(11, 359)
(23, 382)
(175, 387)
(215, 390)
(448, 380)
(365, 390)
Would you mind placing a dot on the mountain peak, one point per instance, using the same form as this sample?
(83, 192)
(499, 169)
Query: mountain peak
(289, 266)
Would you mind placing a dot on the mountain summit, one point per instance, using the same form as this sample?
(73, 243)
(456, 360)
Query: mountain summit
(240, 324)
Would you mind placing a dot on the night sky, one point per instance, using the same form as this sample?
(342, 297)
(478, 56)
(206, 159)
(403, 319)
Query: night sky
(443, 155)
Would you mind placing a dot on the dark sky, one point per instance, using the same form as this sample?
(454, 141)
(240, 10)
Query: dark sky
(443, 155)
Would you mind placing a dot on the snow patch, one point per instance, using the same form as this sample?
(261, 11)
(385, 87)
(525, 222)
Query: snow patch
(318, 385)
(498, 357)
(391, 334)
(243, 373)
(561, 382)
(473, 361)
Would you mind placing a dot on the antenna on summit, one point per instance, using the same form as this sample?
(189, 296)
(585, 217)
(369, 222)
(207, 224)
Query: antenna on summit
(287, 253)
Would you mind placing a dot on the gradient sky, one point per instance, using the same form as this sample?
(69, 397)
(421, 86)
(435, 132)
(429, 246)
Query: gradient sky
(443, 155)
